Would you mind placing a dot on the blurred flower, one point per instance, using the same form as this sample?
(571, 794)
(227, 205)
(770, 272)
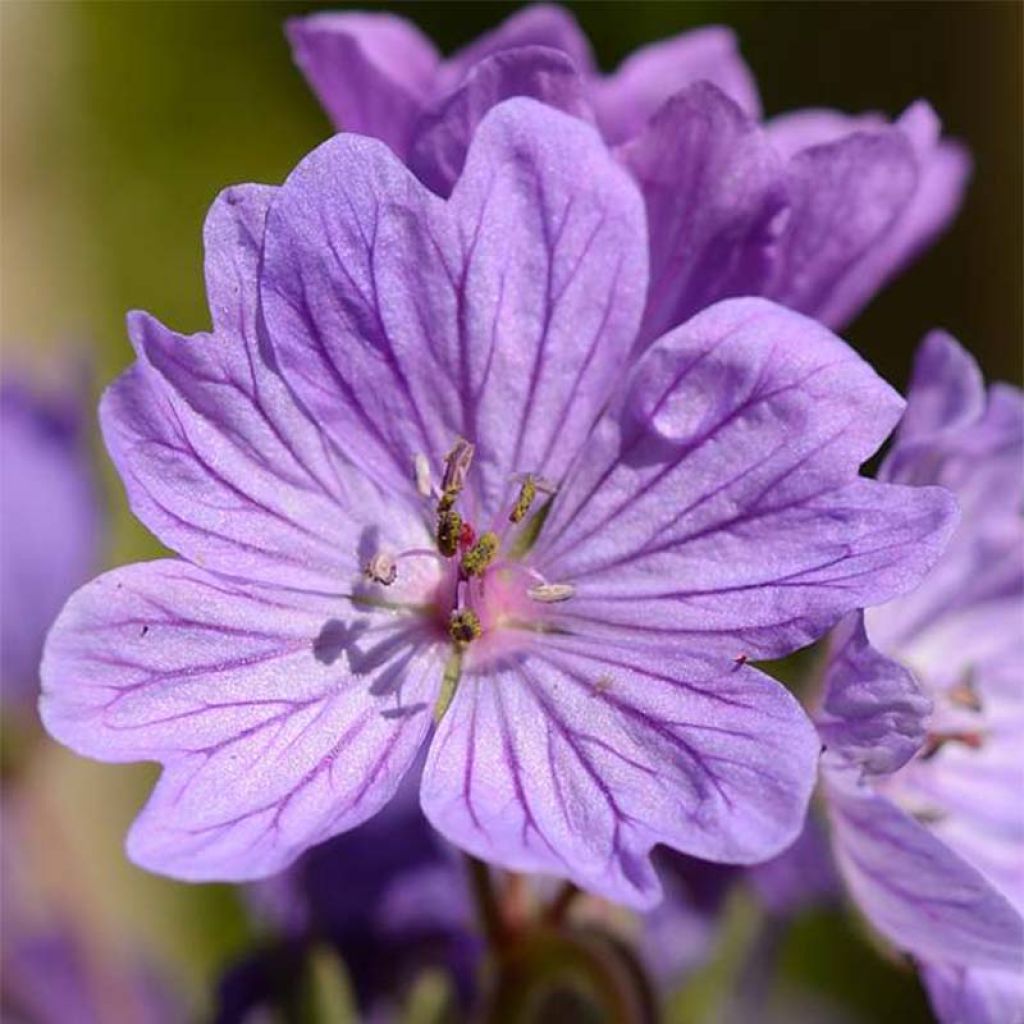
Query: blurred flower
(388, 897)
(576, 601)
(924, 782)
(54, 966)
(49, 524)
(815, 209)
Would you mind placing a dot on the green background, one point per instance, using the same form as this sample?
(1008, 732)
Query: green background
(122, 121)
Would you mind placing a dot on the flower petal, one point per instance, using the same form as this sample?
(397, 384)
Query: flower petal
(874, 712)
(49, 525)
(913, 888)
(845, 196)
(974, 995)
(403, 322)
(217, 457)
(442, 138)
(719, 501)
(281, 718)
(373, 73)
(623, 751)
(534, 25)
(944, 168)
(713, 186)
(647, 78)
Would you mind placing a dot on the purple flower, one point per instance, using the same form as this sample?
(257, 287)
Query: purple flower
(389, 897)
(414, 478)
(924, 781)
(49, 525)
(55, 967)
(815, 209)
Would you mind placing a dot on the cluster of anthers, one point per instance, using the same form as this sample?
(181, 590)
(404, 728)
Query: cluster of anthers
(486, 588)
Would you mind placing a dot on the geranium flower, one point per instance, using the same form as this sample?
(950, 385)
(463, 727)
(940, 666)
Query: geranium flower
(814, 209)
(49, 524)
(415, 479)
(923, 782)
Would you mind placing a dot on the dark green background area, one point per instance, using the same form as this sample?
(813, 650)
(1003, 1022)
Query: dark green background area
(146, 110)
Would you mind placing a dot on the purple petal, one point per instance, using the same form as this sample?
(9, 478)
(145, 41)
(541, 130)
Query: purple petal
(545, 25)
(955, 435)
(913, 888)
(647, 78)
(503, 316)
(713, 186)
(49, 525)
(720, 503)
(373, 73)
(972, 995)
(874, 712)
(624, 750)
(442, 137)
(217, 458)
(844, 197)
(944, 168)
(281, 718)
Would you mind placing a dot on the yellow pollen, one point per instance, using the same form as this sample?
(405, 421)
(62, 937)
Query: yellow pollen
(481, 554)
(464, 627)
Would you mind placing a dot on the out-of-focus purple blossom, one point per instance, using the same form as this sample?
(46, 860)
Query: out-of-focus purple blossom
(567, 616)
(814, 209)
(49, 524)
(55, 968)
(925, 730)
(389, 898)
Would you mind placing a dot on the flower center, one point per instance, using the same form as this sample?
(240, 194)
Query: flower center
(488, 597)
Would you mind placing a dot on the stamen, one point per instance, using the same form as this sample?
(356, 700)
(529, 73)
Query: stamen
(481, 554)
(965, 694)
(381, 569)
(456, 466)
(935, 741)
(424, 484)
(449, 531)
(531, 530)
(551, 593)
(527, 492)
(464, 627)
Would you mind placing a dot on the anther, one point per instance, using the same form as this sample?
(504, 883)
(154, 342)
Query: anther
(381, 569)
(449, 531)
(481, 554)
(456, 466)
(464, 627)
(527, 492)
(551, 593)
(424, 484)
(965, 695)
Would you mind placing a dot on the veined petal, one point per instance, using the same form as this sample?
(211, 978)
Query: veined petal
(913, 888)
(647, 78)
(538, 24)
(624, 750)
(944, 169)
(713, 186)
(874, 712)
(442, 137)
(503, 316)
(373, 73)
(281, 718)
(719, 500)
(844, 197)
(217, 457)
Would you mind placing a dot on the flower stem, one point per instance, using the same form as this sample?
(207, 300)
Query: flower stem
(487, 906)
(562, 903)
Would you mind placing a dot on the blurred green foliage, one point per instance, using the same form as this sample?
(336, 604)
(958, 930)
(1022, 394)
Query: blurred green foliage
(121, 121)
